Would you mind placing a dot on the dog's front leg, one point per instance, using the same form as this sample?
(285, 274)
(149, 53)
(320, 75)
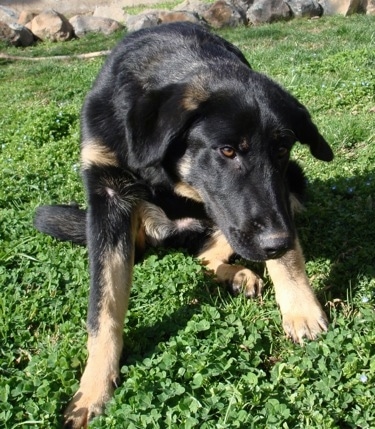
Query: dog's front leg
(301, 312)
(111, 233)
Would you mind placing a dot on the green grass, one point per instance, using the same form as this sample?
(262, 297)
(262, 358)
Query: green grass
(194, 356)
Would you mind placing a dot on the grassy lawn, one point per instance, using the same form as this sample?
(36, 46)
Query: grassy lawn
(194, 356)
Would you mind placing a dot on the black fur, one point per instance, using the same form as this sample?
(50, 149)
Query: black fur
(178, 118)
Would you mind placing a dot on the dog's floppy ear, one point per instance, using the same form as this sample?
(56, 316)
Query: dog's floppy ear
(157, 120)
(307, 133)
(290, 111)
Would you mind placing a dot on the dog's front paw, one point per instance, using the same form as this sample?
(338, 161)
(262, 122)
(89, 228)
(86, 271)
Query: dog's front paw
(86, 404)
(240, 280)
(300, 323)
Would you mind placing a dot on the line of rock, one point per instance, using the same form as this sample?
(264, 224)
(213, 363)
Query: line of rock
(26, 27)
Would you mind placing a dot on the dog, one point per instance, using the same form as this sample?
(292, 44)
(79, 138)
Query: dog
(183, 144)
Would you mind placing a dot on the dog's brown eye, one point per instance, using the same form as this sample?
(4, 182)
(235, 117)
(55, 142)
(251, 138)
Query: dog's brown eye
(282, 151)
(228, 151)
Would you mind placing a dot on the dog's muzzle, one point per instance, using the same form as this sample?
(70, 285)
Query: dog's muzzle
(262, 246)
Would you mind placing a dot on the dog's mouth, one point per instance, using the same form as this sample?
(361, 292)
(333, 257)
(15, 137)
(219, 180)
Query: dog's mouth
(262, 246)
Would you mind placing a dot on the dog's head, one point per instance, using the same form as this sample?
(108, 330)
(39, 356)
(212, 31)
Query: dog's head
(228, 144)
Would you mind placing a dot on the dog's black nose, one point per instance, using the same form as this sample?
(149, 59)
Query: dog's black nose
(275, 253)
(275, 246)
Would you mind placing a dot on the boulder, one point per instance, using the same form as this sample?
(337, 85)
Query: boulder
(25, 17)
(83, 24)
(15, 34)
(8, 15)
(305, 8)
(51, 25)
(143, 20)
(370, 7)
(175, 16)
(343, 7)
(222, 14)
(267, 11)
(112, 12)
(195, 6)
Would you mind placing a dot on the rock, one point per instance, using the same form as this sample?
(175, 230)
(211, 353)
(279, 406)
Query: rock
(222, 14)
(6, 33)
(15, 34)
(8, 15)
(175, 16)
(51, 25)
(195, 6)
(243, 4)
(343, 7)
(143, 20)
(83, 24)
(112, 12)
(305, 8)
(25, 17)
(370, 7)
(267, 11)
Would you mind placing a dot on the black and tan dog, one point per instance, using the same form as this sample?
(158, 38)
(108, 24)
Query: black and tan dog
(184, 144)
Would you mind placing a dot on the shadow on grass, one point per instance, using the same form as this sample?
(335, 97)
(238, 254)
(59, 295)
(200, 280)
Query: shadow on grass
(337, 231)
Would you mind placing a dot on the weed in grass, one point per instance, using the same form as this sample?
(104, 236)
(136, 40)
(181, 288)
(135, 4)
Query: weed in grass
(194, 356)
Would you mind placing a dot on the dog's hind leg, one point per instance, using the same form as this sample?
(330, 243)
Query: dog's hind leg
(301, 312)
(215, 256)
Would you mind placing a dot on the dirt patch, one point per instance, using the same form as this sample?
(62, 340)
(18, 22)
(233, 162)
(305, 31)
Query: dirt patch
(71, 7)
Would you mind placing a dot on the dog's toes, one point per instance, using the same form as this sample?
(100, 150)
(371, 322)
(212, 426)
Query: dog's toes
(84, 406)
(246, 282)
(309, 325)
(80, 412)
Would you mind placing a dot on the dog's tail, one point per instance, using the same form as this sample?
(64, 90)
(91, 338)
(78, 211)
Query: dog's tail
(64, 222)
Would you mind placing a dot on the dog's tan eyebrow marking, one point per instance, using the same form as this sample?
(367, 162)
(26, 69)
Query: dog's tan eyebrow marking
(194, 95)
(96, 153)
(244, 145)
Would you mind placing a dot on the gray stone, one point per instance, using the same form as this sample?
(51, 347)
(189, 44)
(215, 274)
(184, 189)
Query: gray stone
(195, 6)
(83, 24)
(8, 15)
(15, 34)
(305, 8)
(143, 20)
(267, 11)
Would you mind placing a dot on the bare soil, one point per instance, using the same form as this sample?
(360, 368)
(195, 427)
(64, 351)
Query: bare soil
(70, 7)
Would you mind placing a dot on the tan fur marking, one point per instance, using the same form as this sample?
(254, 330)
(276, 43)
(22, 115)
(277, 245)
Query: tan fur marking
(301, 311)
(195, 94)
(295, 204)
(95, 153)
(155, 223)
(104, 346)
(187, 191)
(184, 167)
(182, 188)
(217, 249)
(215, 257)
